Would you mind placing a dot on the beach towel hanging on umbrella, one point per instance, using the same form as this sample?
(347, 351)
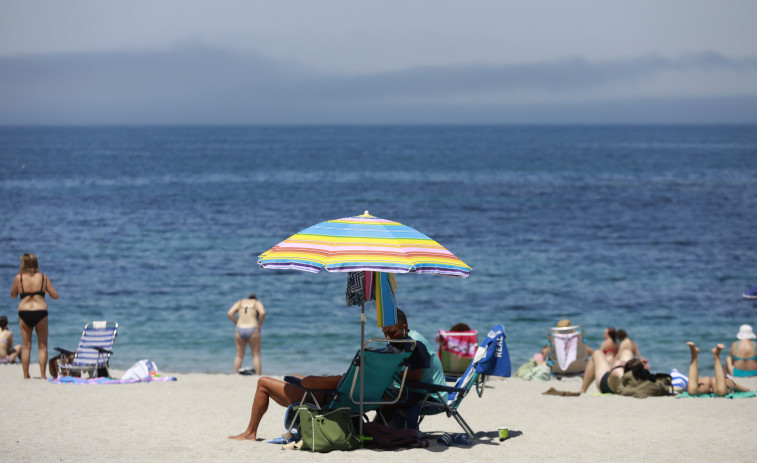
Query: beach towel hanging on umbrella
(374, 286)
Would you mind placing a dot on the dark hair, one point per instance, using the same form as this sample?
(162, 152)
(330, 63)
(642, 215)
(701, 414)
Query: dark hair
(621, 334)
(252, 296)
(460, 327)
(611, 333)
(401, 318)
(638, 369)
(3, 322)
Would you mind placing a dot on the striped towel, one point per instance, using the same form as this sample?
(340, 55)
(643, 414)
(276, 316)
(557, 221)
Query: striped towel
(679, 380)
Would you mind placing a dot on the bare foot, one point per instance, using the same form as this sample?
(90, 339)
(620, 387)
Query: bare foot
(244, 436)
(694, 349)
(717, 349)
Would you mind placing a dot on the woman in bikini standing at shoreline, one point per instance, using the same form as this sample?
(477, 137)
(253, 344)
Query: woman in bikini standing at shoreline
(32, 310)
(250, 314)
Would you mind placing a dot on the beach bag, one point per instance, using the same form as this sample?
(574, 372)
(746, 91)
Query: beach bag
(327, 430)
(141, 371)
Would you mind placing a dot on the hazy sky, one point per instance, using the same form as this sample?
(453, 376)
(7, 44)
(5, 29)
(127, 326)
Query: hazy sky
(239, 62)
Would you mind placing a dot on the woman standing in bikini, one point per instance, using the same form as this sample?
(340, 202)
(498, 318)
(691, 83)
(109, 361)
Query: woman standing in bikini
(31, 285)
(248, 315)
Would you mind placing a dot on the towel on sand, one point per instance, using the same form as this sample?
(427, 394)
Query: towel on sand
(730, 395)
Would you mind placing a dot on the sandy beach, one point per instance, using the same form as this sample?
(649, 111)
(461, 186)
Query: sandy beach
(190, 419)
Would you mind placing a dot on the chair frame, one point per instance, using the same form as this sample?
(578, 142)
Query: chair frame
(103, 355)
(334, 394)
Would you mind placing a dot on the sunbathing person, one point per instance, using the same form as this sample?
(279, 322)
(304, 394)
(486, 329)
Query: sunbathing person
(742, 358)
(704, 385)
(286, 394)
(600, 369)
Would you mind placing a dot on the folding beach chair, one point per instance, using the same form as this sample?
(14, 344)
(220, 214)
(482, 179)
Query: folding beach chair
(385, 370)
(492, 359)
(456, 350)
(568, 354)
(94, 351)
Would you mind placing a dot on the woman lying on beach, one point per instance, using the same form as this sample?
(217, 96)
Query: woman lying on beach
(603, 371)
(742, 358)
(705, 385)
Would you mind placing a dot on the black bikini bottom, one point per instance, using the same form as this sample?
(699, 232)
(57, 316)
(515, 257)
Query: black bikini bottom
(32, 317)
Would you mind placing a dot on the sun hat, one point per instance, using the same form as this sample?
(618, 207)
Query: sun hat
(564, 323)
(745, 332)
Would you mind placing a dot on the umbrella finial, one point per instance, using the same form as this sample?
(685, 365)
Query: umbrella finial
(366, 212)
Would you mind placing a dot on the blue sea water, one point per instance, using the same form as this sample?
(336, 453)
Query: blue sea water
(646, 228)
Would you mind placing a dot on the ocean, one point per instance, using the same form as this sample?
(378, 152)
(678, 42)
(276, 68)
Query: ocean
(645, 228)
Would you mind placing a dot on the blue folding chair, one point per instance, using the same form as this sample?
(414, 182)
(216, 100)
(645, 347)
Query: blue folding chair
(492, 359)
(94, 351)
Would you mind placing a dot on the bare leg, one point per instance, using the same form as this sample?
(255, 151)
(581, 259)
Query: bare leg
(600, 367)
(255, 351)
(14, 355)
(693, 386)
(729, 365)
(26, 346)
(282, 393)
(241, 345)
(42, 329)
(588, 374)
(720, 387)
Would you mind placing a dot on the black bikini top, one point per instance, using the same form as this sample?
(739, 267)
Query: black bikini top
(41, 292)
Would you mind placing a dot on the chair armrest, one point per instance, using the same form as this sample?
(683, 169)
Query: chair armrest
(429, 387)
(103, 351)
(300, 383)
(63, 351)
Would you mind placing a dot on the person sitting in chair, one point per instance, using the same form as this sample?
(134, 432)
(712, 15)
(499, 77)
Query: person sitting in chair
(286, 394)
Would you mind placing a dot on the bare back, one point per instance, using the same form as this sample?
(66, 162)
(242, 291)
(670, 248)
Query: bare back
(32, 283)
(6, 342)
(247, 311)
(744, 354)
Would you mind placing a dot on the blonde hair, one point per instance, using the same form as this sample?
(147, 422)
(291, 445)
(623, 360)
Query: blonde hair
(29, 264)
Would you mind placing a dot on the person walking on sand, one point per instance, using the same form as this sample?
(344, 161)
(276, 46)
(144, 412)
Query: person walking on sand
(32, 310)
(248, 315)
(8, 352)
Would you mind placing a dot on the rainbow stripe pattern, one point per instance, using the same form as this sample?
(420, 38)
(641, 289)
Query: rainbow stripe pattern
(363, 243)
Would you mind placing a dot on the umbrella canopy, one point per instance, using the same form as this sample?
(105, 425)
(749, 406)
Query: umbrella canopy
(363, 243)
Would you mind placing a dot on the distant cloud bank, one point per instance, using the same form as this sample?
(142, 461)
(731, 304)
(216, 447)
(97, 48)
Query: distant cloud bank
(204, 85)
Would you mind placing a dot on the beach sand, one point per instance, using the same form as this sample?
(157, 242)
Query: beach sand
(190, 419)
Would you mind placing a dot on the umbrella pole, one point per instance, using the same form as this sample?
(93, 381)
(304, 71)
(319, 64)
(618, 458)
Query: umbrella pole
(362, 362)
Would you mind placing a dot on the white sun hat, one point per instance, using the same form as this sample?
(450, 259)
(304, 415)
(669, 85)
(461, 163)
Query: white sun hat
(745, 332)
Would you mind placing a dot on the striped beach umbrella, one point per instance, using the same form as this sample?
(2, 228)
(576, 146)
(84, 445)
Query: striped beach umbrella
(363, 243)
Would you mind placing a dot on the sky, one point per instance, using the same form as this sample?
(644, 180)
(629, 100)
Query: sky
(388, 62)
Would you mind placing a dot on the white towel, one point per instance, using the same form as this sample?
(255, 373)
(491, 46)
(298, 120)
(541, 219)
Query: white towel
(566, 348)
